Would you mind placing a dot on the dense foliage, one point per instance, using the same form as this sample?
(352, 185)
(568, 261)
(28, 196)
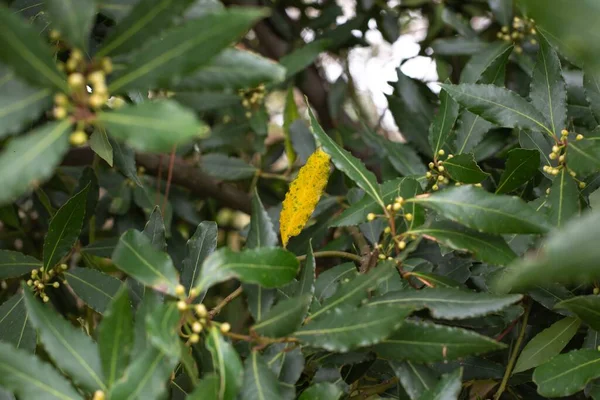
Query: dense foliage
(189, 210)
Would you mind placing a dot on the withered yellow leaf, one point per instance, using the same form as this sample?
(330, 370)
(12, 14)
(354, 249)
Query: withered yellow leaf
(304, 194)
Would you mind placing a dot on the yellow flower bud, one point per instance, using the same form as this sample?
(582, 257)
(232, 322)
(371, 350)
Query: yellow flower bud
(441, 152)
(201, 310)
(76, 54)
(440, 177)
(382, 256)
(561, 158)
(552, 156)
(450, 156)
(555, 149)
(59, 112)
(107, 65)
(387, 229)
(99, 395)
(61, 99)
(441, 168)
(596, 291)
(96, 100)
(402, 245)
(45, 299)
(56, 285)
(518, 49)
(54, 34)
(78, 138)
(478, 185)
(29, 282)
(225, 327)
(40, 286)
(197, 327)
(428, 175)
(194, 292)
(397, 206)
(582, 185)
(96, 77)
(371, 216)
(431, 165)
(408, 217)
(564, 132)
(579, 137)
(555, 171)
(180, 290)
(194, 338)
(76, 80)
(573, 174)
(182, 305)
(435, 187)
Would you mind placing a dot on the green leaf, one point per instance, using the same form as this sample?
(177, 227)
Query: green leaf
(135, 256)
(95, 288)
(521, 166)
(567, 374)
(416, 379)
(457, 46)
(115, 337)
(101, 248)
(568, 255)
(469, 132)
(502, 10)
(154, 126)
(226, 168)
(355, 291)
(155, 230)
(584, 156)
(485, 247)
(487, 66)
(124, 158)
(347, 163)
(226, 363)
(307, 276)
(448, 388)
(345, 328)
(208, 387)
(483, 211)
(162, 328)
(31, 158)
(200, 246)
(20, 104)
(463, 168)
(301, 58)
(14, 326)
(73, 19)
(88, 178)
(184, 49)
(586, 308)
(441, 126)
(14, 264)
(425, 342)
(64, 228)
(70, 348)
(322, 391)
(548, 89)
(268, 267)
(547, 344)
(591, 83)
(29, 378)
(290, 115)
(146, 377)
(499, 106)
(233, 70)
(100, 144)
(539, 142)
(22, 48)
(328, 281)
(284, 318)
(448, 303)
(259, 299)
(145, 20)
(260, 383)
(563, 199)
(436, 280)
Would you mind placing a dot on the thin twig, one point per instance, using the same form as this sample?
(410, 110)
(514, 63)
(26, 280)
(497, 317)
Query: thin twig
(333, 253)
(225, 301)
(367, 391)
(169, 178)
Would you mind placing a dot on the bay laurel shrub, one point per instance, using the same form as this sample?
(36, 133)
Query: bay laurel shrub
(190, 210)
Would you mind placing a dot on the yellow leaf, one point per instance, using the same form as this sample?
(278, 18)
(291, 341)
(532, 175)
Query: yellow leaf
(303, 195)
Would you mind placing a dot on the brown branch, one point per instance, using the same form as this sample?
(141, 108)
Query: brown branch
(225, 301)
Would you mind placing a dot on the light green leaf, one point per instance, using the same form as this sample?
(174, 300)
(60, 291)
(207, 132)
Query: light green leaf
(260, 383)
(64, 228)
(95, 288)
(226, 363)
(347, 163)
(499, 106)
(584, 156)
(586, 308)
(184, 49)
(547, 344)
(22, 49)
(441, 126)
(73, 19)
(416, 379)
(483, 211)
(14, 326)
(521, 166)
(20, 104)
(485, 247)
(563, 199)
(268, 267)
(155, 230)
(226, 168)
(302, 57)
(425, 342)
(135, 256)
(30, 378)
(567, 374)
(31, 158)
(448, 303)
(469, 132)
(115, 337)
(200, 246)
(154, 126)
(100, 144)
(448, 388)
(463, 168)
(162, 329)
(322, 391)
(290, 115)
(345, 328)
(284, 318)
(70, 348)
(145, 20)
(14, 264)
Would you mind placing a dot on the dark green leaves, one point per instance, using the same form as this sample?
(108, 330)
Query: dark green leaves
(347, 163)
(322, 391)
(584, 156)
(23, 49)
(136, 256)
(499, 106)
(521, 165)
(563, 199)
(566, 374)
(591, 83)
(484, 211)
(463, 168)
(284, 318)
(31, 158)
(184, 49)
(485, 247)
(70, 348)
(443, 122)
(586, 308)
(447, 303)
(226, 168)
(487, 66)
(14, 325)
(470, 131)
(14, 264)
(547, 344)
(73, 19)
(260, 383)
(299, 59)
(96, 289)
(268, 267)
(345, 328)
(154, 126)
(64, 229)
(261, 233)
(226, 364)
(200, 245)
(425, 342)
(448, 387)
(28, 377)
